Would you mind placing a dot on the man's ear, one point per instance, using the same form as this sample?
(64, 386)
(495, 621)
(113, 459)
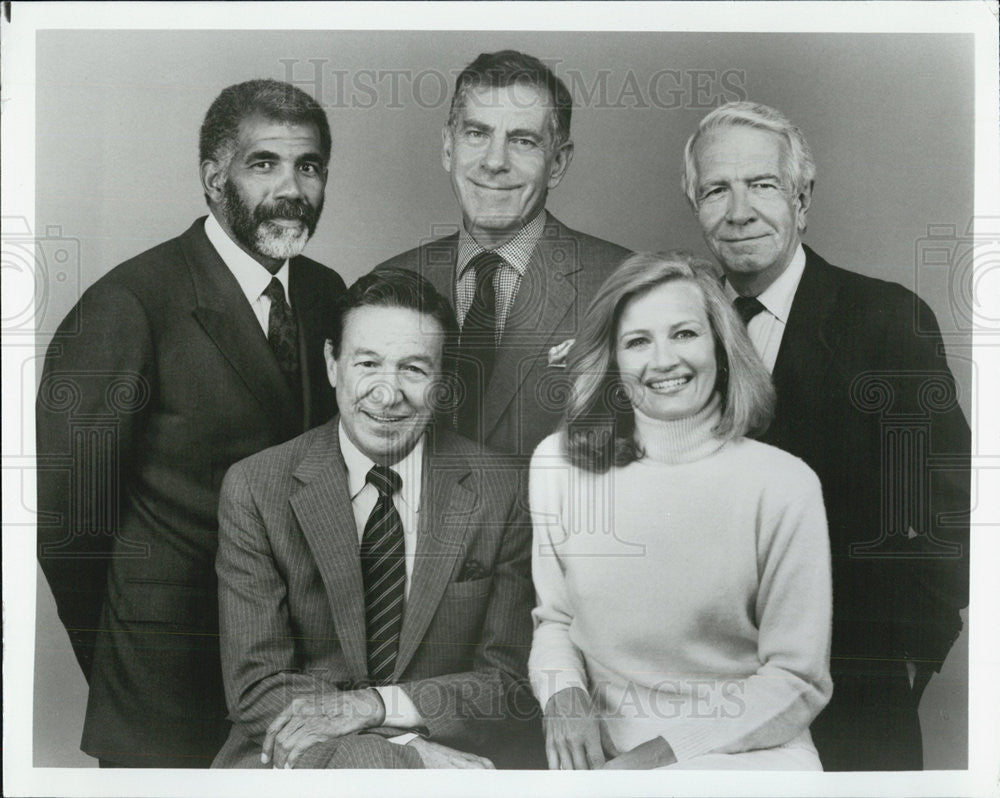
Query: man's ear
(331, 363)
(804, 200)
(560, 163)
(447, 143)
(213, 180)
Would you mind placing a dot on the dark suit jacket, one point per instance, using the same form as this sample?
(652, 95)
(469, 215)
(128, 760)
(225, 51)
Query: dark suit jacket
(291, 597)
(158, 380)
(525, 398)
(865, 397)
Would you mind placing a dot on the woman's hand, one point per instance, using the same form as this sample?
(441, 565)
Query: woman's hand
(572, 732)
(655, 753)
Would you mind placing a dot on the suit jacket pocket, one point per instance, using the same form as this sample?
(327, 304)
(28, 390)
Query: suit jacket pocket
(455, 633)
(470, 588)
(164, 601)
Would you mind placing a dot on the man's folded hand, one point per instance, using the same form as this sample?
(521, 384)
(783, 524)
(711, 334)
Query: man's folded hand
(435, 755)
(308, 720)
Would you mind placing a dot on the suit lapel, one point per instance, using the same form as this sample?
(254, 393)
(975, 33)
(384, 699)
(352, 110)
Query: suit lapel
(324, 511)
(805, 354)
(437, 262)
(226, 316)
(446, 507)
(546, 293)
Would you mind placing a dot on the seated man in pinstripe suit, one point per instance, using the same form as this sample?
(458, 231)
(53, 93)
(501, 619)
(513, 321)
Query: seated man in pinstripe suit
(374, 586)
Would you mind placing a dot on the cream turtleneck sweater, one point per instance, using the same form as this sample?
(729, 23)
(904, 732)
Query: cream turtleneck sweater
(688, 592)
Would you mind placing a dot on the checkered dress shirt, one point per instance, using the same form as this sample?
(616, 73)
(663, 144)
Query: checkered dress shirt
(516, 252)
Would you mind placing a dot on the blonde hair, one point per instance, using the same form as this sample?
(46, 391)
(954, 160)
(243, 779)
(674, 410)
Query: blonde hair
(599, 423)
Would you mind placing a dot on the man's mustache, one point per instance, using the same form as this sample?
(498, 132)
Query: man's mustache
(287, 209)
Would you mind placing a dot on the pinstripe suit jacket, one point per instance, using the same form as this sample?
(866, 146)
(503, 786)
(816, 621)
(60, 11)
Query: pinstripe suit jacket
(291, 599)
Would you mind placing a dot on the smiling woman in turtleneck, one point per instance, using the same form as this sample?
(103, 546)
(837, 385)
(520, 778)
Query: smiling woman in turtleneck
(682, 569)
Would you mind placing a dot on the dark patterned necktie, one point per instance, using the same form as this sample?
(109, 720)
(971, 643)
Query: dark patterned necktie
(383, 568)
(477, 348)
(282, 334)
(747, 307)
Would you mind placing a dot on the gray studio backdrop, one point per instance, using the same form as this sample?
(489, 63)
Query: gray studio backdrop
(889, 117)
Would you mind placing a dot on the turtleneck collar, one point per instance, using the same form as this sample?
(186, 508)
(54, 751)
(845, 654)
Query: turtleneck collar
(681, 440)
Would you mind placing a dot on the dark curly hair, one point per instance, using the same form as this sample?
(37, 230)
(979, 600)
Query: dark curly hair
(272, 99)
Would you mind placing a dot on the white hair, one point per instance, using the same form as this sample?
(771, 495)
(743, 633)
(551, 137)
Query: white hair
(801, 170)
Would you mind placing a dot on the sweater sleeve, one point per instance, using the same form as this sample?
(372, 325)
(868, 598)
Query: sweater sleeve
(793, 613)
(555, 662)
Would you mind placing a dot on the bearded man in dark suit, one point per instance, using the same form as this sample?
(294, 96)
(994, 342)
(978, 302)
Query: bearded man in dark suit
(374, 573)
(173, 366)
(866, 398)
(518, 278)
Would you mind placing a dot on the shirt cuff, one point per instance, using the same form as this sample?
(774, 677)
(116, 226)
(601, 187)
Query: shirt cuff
(399, 709)
(546, 682)
(403, 739)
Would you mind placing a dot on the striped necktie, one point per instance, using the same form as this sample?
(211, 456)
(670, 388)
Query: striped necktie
(383, 569)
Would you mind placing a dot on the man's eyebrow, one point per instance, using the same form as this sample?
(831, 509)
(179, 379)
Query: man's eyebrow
(525, 132)
(752, 178)
(262, 155)
(416, 358)
(475, 123)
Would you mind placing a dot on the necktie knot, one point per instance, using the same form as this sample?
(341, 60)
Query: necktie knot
(485, 265)
(482, 314)
(275, 291)
(386, 481)
(747, 307)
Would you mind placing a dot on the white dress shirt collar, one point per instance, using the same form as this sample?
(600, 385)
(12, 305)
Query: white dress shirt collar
(778, 296)
(410, 469)
(252, 276)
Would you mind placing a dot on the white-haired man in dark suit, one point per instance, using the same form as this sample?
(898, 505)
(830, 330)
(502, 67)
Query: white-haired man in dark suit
(865, 397)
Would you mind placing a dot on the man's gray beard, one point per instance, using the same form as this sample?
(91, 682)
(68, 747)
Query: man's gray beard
(279, 242)
(265, 237)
